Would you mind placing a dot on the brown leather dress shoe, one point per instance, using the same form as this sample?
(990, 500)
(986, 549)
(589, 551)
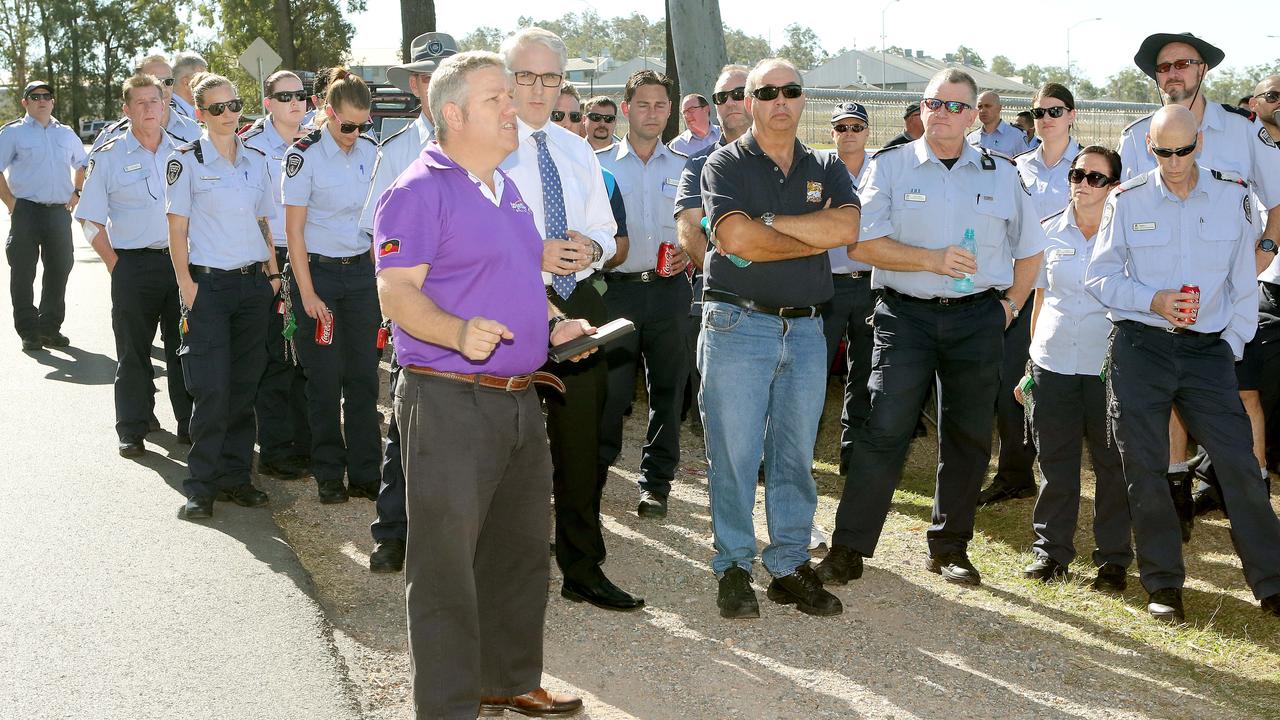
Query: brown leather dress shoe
(539, 703)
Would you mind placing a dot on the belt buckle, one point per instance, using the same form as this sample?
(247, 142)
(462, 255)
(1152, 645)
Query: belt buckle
(648, 276)
(350, 260)
(945, 301)
(510, 382)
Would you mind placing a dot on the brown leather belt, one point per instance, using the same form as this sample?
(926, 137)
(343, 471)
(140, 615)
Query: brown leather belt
(510, 384)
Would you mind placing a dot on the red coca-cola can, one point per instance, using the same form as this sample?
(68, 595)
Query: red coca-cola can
(324, 331)
(665, 253)
(384, 334)
(1194, 290)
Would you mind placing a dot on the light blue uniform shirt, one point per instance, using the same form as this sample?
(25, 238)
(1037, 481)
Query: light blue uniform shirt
(1005, 139)
(1072, 327)
(840, 262)
(395, 154)
(180, 126)
(222, 202)
(1149, 240)
(40, 159)
(649, 195)
(686, 144)
(1049, 188)
(183, 107)
(332, 185)
(262, 136)
(124, 191)
(912, 197)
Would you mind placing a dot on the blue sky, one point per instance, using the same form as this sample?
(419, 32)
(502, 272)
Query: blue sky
(1027, 31)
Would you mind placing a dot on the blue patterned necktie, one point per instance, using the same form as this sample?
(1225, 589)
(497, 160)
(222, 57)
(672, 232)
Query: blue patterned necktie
(554, 219)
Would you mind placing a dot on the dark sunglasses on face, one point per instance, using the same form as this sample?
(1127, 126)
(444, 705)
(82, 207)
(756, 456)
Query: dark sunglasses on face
(216, 109)
(955, 107)
(167, 82)
(790, 91)
(1170, 152)
(1053, 112)
(853, 128)
(723, 96)
(558, 115)
(1177, 65)
(524, 77)
(1269, 96)
(285, 96)
(1095, 179)
(598, 117)
(363, 127)
(40, 96)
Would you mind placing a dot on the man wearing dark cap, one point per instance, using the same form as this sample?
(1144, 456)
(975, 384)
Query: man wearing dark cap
(37, 150)
(1231, 141)
(912, 128)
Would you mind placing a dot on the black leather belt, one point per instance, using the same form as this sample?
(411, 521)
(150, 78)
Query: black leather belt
(855, 275)
(745, 304)
(326, 260)
(142, 251)
(250, 269)
(647, 276)
(1135, 325)
(943, 301)
(40, 204)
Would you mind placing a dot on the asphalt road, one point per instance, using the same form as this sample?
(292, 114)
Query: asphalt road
(110, 605)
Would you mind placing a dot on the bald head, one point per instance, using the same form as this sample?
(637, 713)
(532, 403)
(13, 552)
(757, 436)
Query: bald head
(1270, 82)
(989, 109)
(1173, 126)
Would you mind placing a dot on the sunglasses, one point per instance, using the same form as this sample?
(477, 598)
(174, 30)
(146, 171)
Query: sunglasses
(1269, 96)
(1177, 65)
(1053, 112)
(285, 96)
(167, 82)
(723, 96)
(363, 127)
(40, 96)
(955, 107)
(598, 117)
(551, 80)
(558, 115)
(853, 128)
(1095, 179)
(216, 109)
(1170, 152)
(790, 91)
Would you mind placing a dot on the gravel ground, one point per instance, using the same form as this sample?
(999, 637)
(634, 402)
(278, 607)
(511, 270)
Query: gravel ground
(907, 645)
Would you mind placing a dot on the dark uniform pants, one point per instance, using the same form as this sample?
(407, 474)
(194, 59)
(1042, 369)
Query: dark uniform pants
(915, 342)
(573, 426)
(144, 292)
(660, 311)
(223, 353)
(1015, 468)
(476, 566)
(281, 407)
(342, 378)
(391, 523)
(1067, 411)
(846, 317)
(39, 232)
(1152, 371)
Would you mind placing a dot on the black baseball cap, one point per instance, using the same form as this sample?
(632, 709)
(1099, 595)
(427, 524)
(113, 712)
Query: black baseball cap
(911, 109)
(36, 85)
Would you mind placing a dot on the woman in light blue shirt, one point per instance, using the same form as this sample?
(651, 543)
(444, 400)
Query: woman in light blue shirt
(1070, 336)
(1044, 168)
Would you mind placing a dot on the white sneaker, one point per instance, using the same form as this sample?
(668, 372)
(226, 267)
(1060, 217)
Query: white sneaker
(817, 538)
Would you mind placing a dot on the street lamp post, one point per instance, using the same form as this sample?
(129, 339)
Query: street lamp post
(1086, 20)
(882, 41)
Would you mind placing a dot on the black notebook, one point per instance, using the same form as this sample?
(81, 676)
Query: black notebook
(603, 334)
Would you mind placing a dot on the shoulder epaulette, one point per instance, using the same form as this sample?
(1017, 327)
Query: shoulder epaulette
(175, 137)
(1024, 152)
(1266, 138)
(396, 134)
(1239, 111)
(12, 122)
(1135, 122)
(257, 127)
(193, 147)
(998, 154)
(307, 140)
(260, 152)
(1047, 218)
(1228, 177)
(106, 145)
(678, 153)
(120, 124)
(890, 148)
(370, 138)
(1131, 183)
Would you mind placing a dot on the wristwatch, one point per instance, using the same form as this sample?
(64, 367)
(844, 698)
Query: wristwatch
(597, 252)
(1268, 245)
(767, 219)
(1013, 307)
(551, 324)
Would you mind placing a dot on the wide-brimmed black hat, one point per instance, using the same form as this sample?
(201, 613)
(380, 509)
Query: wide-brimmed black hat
(1145, 58)
(427, 51)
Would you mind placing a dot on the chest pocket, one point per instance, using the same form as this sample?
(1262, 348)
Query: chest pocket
(917, 212)
(29, 149)
(1152, 255)
(131, 189)
(1065, 272)
(1217, 232)
(339, 192)
(992, 213)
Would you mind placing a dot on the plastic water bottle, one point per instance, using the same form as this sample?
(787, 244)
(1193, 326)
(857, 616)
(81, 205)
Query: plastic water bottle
(706, 228)
(965, 284)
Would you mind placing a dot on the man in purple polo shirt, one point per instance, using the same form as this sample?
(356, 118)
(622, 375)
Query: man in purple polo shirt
(459, 261)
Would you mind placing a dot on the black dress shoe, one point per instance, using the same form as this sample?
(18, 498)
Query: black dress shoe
(198, 508)
(1166, 605)
(245, 496)
(841, 565)
(998, 492)
(368, 492)
(954, 568)
(31, 343)
(184, 432)
(332, 492)
(652, 505)
(1271, 604)
(56, 339)
(1045, 569)
(131, 448)
(735, 597)
(1111, 579)
(387, 556)
(602, 593)
(153, 425)
(803, 589)
(279, 467)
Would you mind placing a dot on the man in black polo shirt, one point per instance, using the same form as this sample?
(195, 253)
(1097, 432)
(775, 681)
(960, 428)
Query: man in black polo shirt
(775, 209)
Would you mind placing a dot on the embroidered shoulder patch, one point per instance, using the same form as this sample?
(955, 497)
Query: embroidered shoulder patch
(172, 171)
(390, 246)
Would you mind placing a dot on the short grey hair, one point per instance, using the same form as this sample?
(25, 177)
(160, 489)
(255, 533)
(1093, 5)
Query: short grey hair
(755, 78)
(150, 60)
(534, 36)
(449, 83)
(958, 76)
(188, 63)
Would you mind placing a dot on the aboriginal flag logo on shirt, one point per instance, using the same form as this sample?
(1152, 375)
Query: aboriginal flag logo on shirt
(390, 246)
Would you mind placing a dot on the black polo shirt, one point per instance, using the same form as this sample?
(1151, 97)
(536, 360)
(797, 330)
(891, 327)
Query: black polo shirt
(741, 178)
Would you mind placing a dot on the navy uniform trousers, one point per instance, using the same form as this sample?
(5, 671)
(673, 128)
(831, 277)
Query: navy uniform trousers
(846, 316)
(281, 407)
(39, 233)
(223, 353)
(144, 292)
(1152, 371)
(1016, 466)
(391, 523)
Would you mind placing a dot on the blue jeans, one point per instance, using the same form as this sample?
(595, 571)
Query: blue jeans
(763, 382)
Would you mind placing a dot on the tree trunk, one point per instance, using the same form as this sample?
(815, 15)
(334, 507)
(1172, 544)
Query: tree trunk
(416, 17)
(673, 72)
(284, 35)
(697, 30)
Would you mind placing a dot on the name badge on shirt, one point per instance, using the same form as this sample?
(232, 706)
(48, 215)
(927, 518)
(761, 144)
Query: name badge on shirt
(1139, 227)
(133, 167)
(813, 191)
(915, 197)
(1063, 252)
(210, 177)
(670, 183)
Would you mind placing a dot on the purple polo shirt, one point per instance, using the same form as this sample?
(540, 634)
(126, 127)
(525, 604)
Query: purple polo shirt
(485, 260)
